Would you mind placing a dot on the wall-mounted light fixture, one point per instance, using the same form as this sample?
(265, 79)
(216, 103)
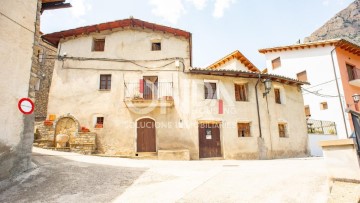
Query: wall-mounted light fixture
(356, 98)
(267, 82)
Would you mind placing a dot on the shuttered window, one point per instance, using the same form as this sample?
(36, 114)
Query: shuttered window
(210, 90)
(99, 45)
(243, 130)
(351, 72)
(323, 105)
(241, 92)
(302, 76)
(100, 120)
(282, 129)
(307, 111)
(105, 82)
(277, 96)
(276, 63)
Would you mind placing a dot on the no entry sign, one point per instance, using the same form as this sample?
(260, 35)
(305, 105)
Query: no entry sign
(26, 106)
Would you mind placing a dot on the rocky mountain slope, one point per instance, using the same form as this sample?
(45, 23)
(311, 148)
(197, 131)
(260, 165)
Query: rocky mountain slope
(345, 24)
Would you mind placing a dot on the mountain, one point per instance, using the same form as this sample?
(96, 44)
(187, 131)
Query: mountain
(345, 24)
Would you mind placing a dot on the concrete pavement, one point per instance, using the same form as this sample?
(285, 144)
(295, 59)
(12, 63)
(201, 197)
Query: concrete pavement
(69, 177)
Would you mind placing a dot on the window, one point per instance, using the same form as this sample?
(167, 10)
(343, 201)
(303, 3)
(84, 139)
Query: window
(352, 73)
(323, 105)
(307, 111)
(276, 63)
(241, 92)
(302, 76)
(156, 46)
(105, 82)
(98, 45)
(277, 96)
(243, 129)
(210, 90)
(282, 129)
(99, 122)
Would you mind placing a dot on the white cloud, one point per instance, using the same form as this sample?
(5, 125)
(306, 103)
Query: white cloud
(220, 6)
(169, 10)
(79, 8)
(199, 4)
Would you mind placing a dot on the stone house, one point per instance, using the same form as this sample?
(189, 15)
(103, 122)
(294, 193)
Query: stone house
(332, 68)
(19, 39)
(132, 83)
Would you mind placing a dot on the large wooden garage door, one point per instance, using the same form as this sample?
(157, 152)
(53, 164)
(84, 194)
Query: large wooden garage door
(146, 140)
(209, 140)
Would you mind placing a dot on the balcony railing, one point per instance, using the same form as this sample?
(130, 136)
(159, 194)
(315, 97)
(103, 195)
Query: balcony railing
(159, 93)
(321, 127)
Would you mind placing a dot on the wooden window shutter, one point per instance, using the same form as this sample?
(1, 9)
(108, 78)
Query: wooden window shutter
(241, 92)
(302, 76)
(99, 45)
(243, 129)
(307, 111)
(276, 63)
(277, 96)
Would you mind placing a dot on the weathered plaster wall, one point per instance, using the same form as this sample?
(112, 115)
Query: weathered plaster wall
(319, 68)
(75, 90)
(16, 54)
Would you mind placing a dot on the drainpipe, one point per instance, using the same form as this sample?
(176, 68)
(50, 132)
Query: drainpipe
(257, 104)
(338, 90)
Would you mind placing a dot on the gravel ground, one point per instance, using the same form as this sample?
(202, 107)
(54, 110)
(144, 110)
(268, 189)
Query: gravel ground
(68, 177)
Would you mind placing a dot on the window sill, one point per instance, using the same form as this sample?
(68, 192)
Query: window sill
(242, 101)
(104, 90)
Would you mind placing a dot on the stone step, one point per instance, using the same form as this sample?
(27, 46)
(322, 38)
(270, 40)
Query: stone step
(146, 155)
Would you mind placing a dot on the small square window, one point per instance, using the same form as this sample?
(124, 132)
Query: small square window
(99, 122)
(98, 45)
(302, 76)
(323, 105)
(105, 82)
(277, 96)
(276, 63)
(210, 90)
(241, 92)
(156, 46)
(243, 130)
(282, 129)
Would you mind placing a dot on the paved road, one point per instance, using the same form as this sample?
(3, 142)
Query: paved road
(69, 177)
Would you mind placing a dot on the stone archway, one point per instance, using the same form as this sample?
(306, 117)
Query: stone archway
(66, 128)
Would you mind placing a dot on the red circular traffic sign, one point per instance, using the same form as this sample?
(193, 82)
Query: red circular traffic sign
(26, 106)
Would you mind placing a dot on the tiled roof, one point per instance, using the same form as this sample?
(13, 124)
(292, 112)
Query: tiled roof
(234, 55)
(342, 43)
(247, 74)
(55, 37)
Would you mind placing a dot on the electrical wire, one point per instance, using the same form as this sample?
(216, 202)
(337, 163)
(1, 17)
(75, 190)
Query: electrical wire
(16, 22)
(318, 94)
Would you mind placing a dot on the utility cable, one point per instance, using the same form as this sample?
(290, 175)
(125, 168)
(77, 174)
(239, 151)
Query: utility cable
(16, 22)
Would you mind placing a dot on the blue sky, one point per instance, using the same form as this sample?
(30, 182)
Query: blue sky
(218, 26)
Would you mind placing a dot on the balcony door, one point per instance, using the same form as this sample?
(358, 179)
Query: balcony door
(150, 87)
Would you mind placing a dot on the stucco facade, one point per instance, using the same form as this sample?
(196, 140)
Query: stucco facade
(179, 106)
(325, 66)
(17, 40)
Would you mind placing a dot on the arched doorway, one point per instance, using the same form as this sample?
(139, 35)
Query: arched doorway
(65, 126)
(146, 135)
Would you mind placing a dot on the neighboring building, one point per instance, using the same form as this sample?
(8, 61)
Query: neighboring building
(19, 38)
(332, 68)
(46, 56)
(131, 83)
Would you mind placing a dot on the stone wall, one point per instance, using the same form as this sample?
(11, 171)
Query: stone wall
(84, 143)
(46, 60)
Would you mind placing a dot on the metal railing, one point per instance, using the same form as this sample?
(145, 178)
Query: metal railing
(321, 127)
(148, 91)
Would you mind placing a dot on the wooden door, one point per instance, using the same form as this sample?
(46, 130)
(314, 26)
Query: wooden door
(209, 140)
(146, 135)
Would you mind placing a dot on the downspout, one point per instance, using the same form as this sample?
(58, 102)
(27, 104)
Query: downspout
(338, 90)
(257, 105)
